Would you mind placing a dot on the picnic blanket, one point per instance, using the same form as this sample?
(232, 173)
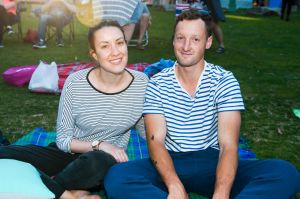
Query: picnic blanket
(137, 147)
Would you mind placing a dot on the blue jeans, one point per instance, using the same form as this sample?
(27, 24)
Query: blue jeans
(259, 179)
(58, 21)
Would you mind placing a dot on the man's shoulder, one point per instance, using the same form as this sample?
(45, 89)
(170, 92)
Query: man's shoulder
(163, 75)
(216, 71)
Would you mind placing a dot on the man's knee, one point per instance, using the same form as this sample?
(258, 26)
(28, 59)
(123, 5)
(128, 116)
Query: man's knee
(114, 180)
(286, 172)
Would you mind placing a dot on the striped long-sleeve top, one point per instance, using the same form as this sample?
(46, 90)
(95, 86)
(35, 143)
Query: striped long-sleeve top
(88, 114)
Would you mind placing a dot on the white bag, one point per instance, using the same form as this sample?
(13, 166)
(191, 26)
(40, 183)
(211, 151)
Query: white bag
(44, 79)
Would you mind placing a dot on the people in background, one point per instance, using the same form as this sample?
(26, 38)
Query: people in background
(192, 118)
(8, 9)
(286, 8)
(56, 13)
(214, 6)
(97, 109)
(144, 23)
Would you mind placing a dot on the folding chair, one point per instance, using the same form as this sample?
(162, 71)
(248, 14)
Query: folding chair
(68, 31)
(135, 36)
(18, 19)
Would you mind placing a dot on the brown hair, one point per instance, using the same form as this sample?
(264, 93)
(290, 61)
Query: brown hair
(102, 24)
(193, 14)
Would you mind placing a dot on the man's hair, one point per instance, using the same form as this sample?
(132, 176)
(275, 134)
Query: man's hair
(102, 24)
(193, 14)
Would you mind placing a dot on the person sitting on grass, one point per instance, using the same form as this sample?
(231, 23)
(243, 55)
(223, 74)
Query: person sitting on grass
(192, 118)
(8, 9)
(97, 109)
(57, 13)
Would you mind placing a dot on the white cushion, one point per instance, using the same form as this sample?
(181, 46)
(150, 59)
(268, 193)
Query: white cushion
(20, 180)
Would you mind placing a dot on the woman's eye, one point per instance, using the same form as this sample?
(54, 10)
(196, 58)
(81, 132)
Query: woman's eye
(120, 43)
(104, 46)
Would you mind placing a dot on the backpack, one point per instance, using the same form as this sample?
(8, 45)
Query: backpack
(31, 36)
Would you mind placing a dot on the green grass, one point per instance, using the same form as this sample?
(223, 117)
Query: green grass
(262, 52)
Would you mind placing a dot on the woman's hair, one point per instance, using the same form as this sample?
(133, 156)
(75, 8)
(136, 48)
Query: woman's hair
(102, 24)
(193, 14)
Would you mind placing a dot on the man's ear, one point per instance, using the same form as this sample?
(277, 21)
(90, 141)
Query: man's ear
(93, 54)
(209, 42)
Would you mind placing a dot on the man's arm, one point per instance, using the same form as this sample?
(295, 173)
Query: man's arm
(228, 135)
(156, 134)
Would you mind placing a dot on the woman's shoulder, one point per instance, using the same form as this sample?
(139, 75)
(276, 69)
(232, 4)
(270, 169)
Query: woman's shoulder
(139, 76)
(78, 76)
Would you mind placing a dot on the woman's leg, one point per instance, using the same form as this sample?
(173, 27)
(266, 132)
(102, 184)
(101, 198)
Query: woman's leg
(86, 172)
(48, 160)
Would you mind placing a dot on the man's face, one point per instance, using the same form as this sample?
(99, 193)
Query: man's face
(190, 42)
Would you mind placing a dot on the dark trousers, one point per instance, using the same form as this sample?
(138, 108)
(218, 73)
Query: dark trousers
(5, 19)
(62, 171)
(259, 179)
(286, 4)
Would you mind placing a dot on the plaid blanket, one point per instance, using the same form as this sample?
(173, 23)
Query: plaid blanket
(137, 147)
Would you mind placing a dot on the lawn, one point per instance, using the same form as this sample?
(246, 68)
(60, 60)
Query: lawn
(262, 52)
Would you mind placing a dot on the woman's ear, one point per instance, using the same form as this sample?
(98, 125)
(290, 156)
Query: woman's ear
(93, 54)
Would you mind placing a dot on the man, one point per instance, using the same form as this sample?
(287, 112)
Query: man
(57, 13)
(192, 117)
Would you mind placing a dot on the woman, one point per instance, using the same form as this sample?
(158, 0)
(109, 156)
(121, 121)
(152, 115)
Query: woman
(97, 109)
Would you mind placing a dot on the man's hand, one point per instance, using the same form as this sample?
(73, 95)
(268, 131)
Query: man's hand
(177, 191)
(118, 153)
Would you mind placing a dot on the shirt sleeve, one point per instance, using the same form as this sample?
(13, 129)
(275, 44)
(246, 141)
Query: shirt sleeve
(65, 120)
(228, 95)
(153, 101)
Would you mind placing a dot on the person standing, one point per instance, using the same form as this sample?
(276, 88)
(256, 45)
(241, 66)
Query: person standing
(192, 117)
(286, 5)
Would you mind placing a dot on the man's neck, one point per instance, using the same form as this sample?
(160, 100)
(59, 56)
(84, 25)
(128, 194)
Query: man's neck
(189, 77)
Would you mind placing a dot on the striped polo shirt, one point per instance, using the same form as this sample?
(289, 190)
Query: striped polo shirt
(88, 114)
(192, 122)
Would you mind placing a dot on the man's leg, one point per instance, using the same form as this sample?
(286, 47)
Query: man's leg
(276, 179)
(134, 179)
(139, 178)
(3, 22)
(44, 21)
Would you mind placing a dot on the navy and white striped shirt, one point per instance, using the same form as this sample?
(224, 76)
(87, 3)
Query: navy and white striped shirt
(192, 122)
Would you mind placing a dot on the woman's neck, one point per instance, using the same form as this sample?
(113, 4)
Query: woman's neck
(108, 82)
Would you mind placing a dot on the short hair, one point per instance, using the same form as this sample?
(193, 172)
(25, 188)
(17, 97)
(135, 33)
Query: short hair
(102, 24)
(194, 14)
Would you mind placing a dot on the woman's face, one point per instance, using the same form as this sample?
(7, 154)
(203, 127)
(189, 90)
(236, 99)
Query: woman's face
(110, 49)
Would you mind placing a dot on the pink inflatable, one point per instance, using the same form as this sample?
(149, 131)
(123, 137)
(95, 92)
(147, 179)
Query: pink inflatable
(18, 76)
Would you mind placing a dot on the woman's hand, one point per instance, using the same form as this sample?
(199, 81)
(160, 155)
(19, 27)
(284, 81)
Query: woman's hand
(118, 153)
